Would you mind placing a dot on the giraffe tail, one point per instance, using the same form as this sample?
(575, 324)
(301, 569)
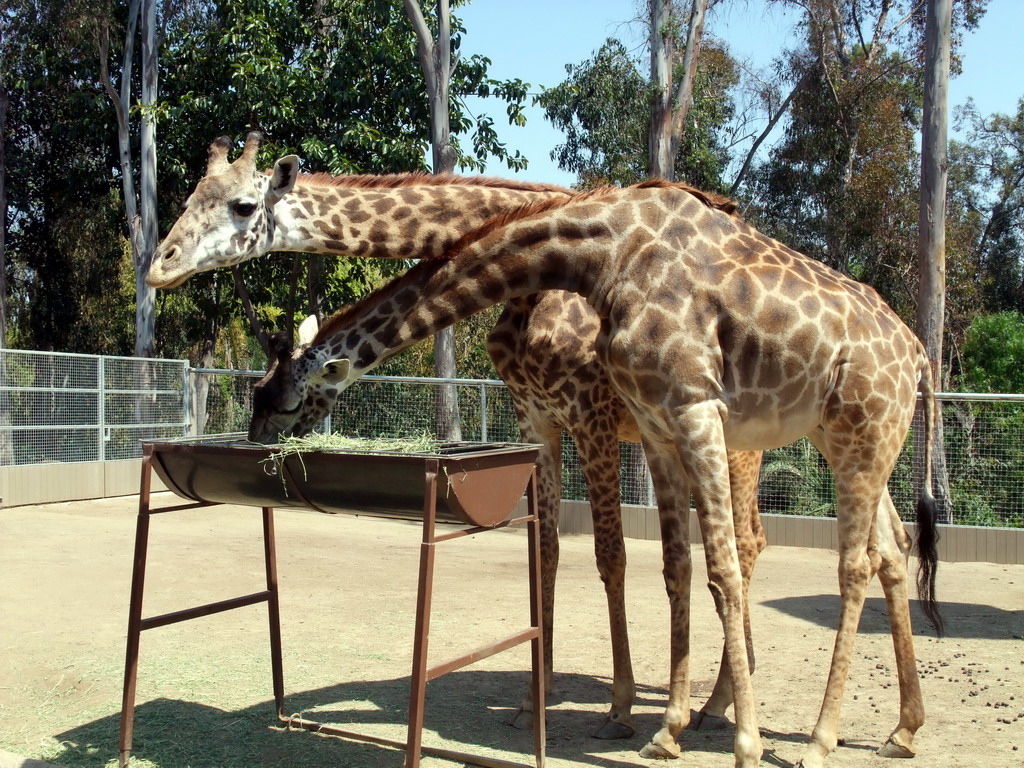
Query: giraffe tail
(927, 510)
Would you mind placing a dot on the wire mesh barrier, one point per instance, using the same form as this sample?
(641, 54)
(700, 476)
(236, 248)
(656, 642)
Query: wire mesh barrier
(57, 407)
(983, 467)
(72, 408)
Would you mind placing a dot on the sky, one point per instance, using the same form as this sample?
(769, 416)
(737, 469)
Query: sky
(533, 40)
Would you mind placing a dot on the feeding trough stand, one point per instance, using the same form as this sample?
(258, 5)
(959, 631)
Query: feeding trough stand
(477, 486)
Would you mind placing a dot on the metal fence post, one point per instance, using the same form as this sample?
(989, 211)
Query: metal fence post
(483, 412)
(101, 394)
(187, 417)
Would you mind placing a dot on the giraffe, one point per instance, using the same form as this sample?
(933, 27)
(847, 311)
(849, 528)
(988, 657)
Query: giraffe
(716, 337)
(543, 347)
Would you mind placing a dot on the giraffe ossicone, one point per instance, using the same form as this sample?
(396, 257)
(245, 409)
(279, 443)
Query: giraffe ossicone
(717, 338)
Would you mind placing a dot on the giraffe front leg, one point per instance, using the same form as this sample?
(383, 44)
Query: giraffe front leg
(598, 449)
(744, 473)
(673, 498)
(699, 438)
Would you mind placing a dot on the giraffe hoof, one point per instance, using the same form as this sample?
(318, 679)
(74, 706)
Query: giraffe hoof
(653, 751)
(612, 729)
(892, 749)
(704, 721)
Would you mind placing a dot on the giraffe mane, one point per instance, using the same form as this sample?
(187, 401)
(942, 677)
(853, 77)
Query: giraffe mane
(419, 178)
(710, 199)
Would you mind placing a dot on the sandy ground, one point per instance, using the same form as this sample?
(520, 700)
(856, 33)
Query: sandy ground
(348, 599)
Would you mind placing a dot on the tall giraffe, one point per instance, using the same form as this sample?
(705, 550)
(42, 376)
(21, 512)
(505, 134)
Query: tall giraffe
(716, 337)
(543, 347)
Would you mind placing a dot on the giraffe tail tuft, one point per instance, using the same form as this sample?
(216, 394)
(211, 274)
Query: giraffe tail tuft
(928, 561)
(928, 510)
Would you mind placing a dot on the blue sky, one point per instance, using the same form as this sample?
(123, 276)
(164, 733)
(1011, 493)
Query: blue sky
(534, 40)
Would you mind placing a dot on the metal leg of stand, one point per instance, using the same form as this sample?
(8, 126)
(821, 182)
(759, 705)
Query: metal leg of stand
(273, 608)
(418, 683)
(136, 623)
(131, 663)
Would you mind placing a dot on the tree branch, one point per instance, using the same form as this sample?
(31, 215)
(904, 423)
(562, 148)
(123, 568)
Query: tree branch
(764, 134)
(250, 311)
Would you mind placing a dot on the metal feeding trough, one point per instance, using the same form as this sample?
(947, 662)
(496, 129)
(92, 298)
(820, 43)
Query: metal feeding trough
(478, 483)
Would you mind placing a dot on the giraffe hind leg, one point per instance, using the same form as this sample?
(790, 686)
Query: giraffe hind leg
(894, 546)
(598, 449)
(859, 494)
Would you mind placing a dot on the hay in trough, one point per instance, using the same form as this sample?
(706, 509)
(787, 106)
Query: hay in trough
(318, 441)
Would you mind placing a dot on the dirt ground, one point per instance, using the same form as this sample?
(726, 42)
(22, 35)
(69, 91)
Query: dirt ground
(348, 592)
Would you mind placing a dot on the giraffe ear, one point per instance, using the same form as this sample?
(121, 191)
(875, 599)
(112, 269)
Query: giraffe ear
(336, 371)
(308, 329)
(282, 180)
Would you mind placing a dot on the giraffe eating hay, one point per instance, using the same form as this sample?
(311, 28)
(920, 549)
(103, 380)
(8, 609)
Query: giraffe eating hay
(543, 346)
(717, 338)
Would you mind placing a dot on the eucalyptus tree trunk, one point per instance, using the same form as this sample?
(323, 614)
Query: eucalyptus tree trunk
(931, 300)
(3, 212)
(6, 449)
(671, 105)
(436, 62)
(142, 228)
(145, 296)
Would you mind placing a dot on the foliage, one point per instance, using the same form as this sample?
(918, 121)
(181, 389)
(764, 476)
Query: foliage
(795, 480)
(603, 106)
(599, 107)
(64, 252)
(986, 206)
(335, 81)
(992, 358)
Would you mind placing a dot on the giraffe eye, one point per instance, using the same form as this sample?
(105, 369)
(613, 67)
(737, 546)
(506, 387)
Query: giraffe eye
(243, 208)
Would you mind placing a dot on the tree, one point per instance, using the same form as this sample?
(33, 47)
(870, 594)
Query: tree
(435, 57)
(140, 207)
(986, 216)
(62, 247)
(669, 106)
(932, 223)
(3, 213)
(603, 106)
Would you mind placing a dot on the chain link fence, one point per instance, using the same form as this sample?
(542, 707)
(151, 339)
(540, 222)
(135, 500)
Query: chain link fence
(71, 408)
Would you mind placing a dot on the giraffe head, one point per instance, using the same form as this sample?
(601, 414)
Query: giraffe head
(300, 387)
(227, 219)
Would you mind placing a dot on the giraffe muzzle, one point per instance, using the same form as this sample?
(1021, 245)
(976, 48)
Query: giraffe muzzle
(162, 269)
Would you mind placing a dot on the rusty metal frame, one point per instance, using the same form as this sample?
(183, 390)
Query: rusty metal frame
(421, 671)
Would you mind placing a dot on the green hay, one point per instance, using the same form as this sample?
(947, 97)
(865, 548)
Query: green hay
(423, 443)
(297, 446)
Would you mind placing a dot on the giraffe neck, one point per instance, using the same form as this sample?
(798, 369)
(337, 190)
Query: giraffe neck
(518, 260)
(417, 219)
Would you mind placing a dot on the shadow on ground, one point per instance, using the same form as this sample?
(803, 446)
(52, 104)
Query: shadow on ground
(469, 708)
(973, 621)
